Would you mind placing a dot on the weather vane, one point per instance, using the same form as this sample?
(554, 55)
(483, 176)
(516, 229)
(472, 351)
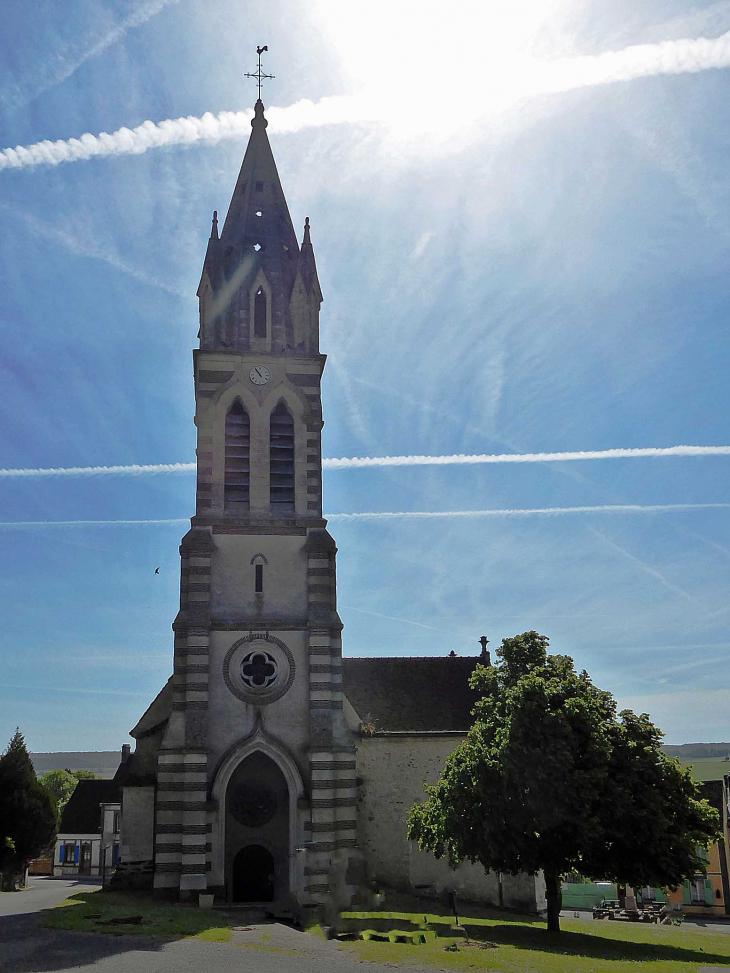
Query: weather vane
(259, 75)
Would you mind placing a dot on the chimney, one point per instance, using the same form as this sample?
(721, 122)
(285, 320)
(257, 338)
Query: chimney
(485, 657)
(126, 750)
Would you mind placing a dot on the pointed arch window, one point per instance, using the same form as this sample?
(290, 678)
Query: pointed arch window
(259, 313)
(238, 449)
(281, 461)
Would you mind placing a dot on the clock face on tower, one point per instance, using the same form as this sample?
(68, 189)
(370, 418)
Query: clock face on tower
(259, 375)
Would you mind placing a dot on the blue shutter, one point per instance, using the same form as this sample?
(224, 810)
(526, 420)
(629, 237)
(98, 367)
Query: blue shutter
(76, 855)
(116, 854)
(61, 854)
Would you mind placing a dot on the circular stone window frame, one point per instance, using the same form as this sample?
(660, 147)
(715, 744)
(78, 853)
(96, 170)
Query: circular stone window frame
(234, 802)
(255, 698)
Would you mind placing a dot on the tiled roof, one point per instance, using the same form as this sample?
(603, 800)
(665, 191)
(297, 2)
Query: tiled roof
(82, 814)
(412, 693)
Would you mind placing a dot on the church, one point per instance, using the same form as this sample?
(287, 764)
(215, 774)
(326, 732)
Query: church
(270, 762)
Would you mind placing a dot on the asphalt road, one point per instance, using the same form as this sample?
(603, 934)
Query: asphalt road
(27, 948)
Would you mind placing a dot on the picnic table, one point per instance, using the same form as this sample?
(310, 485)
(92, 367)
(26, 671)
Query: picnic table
(612, 909)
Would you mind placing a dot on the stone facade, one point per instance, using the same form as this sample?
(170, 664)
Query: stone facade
(392, 770)
(250, 778)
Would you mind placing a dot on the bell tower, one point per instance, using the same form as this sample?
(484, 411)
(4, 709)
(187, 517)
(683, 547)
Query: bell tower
(256, 763)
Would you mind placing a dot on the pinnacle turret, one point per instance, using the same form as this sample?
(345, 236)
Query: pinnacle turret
(307, 265)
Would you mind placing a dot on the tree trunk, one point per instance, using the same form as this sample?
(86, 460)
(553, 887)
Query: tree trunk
(554, 893)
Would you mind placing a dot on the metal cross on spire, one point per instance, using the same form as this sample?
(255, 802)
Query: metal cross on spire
(259, 75)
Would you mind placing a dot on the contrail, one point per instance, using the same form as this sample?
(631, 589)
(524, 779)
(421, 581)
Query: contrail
(646, 568)
(26, 524)
(132, 470)
(619, 508)
(689, 55)
(356, 462)
(64, 689)
(88, 247)
(462, 459)
(143, 13)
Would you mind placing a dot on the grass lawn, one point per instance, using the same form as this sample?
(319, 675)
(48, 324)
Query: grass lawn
(522, 945)
(173, 920)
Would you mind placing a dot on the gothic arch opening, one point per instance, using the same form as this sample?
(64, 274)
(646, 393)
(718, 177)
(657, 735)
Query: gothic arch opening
(259, 313)
(257, 834)
(281, 461)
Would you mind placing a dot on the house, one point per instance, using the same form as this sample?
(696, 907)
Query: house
(701, 894)
(87, 842)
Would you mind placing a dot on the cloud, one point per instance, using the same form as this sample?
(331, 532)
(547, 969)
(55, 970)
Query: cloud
(140, 16)
(531, 78)
(358, 462)
(678, 712)
(619, 508)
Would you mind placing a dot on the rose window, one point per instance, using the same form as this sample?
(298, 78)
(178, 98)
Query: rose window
(259, 670)
(253, 804)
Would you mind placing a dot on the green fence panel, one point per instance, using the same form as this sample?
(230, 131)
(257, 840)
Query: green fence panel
(587, 894)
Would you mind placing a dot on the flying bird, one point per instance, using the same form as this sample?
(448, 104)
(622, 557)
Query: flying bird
(157, 570)
(260, 50)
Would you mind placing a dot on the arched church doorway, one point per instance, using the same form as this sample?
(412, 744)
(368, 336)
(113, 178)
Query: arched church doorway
(252, 875)
(257, 837)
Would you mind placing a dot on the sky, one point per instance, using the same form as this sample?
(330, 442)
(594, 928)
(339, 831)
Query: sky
(519, 213)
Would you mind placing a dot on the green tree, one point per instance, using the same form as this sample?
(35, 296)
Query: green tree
(550, 777)
(28, 816)
(61, 784)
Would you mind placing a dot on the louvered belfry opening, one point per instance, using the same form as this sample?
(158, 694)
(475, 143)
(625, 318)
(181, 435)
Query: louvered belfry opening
(281, 461)
(238, 449)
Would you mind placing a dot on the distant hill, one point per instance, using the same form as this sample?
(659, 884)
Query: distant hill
(686, 750)
(103, 763)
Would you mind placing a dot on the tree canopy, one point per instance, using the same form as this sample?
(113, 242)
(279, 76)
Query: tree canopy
(61, 784)
(28, 816)
(550, 777)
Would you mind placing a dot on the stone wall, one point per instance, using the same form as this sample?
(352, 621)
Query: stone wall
(392, 771)
(137, 837)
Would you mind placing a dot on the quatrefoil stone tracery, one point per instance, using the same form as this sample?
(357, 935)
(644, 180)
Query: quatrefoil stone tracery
(259, 670)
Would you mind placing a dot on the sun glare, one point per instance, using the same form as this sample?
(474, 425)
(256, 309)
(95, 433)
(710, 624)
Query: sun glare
(433, 67)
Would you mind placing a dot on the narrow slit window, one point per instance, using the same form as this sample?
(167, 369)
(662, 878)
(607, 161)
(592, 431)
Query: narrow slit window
(237, 471)
(281, 461)
(259, 313)
(258, 578)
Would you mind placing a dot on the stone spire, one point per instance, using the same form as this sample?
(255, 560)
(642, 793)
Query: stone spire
(257, 252)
